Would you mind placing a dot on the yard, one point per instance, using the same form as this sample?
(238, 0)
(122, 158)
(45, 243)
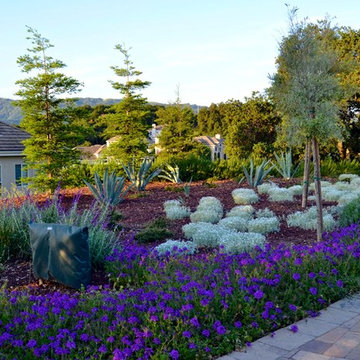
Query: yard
(183, 304)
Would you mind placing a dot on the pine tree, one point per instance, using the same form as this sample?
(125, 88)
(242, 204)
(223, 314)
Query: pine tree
(47, 117)
(129, 119)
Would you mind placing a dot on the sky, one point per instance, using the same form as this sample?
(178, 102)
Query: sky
(212, 50)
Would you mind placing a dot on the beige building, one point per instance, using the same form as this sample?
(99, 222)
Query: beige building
(216, 145)
(12, 167)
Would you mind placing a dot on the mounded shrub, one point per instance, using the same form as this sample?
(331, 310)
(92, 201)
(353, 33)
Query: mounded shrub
(264, 225)
(350, 213)
(244, 196)
(175, 247)
(234, 223)
(280, 194)
(236, 243)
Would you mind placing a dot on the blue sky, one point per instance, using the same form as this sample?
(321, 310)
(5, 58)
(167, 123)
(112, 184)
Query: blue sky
(214, 50)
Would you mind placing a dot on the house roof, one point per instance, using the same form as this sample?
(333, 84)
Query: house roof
(209, 140)
(90, 152)
(11, 138)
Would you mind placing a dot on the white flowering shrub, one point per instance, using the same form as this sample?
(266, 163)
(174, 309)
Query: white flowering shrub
(296, 189)
(244, 196)
(209, 235)
(265, 213)
(264, 188)
(175, 247)
(234, 223)
(264, 225)
(236, 243)
(205, 216)
(177, 212)
(244, 211)
(190, 229)
(280, 194)
(307, 219)
(343, 177)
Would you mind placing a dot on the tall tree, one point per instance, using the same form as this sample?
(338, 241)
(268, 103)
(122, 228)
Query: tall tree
(47, 117)
(177, 134)
(254, 122)
(307, 91)
(129, 118)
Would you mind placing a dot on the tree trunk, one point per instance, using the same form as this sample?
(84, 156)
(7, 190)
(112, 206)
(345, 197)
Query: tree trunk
(306, 175)
(317, 180)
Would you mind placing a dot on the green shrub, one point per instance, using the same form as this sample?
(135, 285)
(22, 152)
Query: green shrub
(333, 169)
(350, 213)
(154, 231)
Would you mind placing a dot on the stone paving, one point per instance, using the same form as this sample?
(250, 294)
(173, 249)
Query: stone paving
(334, 335)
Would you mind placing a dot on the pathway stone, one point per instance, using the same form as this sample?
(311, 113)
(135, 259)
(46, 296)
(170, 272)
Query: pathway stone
(335, 335)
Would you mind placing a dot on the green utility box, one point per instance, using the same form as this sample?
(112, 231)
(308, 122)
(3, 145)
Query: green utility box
(61, 252)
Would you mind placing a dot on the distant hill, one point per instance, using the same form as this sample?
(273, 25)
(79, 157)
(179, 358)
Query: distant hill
(12, 115)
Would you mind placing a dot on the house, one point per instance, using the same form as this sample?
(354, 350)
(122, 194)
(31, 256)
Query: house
(154, 134)
(90, 153)
(12, 167)
(216, 145)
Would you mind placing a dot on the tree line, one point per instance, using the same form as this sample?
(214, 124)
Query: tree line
(256, 126)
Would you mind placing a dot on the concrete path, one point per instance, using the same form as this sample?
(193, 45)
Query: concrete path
(334, 335)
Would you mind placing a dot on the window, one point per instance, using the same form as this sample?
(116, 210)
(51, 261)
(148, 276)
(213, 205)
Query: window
(20, 172)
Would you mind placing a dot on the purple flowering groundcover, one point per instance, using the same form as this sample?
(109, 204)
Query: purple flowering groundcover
(182, 307)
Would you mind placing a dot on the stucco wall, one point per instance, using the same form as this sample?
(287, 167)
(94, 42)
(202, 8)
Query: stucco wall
(7, 164)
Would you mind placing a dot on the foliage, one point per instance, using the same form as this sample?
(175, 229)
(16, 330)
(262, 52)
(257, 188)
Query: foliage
(238, 223)
(14, 229)
(350, 213)
(260, 175)
(177, 134)
(230, 299)
(237, 243)
(140, 177)
(175, 247)
(111, 191)
(284, 165)
(172, 174)
(244, 196)
(264, 225)
(280, 194)
(244, 211)
(175, 210)
(154, 231)
(48, 118)
(253, 123)
(128, 120)
(332, 168)
(307, 220)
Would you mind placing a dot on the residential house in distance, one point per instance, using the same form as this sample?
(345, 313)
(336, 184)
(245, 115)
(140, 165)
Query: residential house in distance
(90, 153)
(12, 167)
(216, 145)
(154, 134)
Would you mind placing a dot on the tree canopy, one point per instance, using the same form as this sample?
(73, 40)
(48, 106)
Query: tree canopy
(47, 116)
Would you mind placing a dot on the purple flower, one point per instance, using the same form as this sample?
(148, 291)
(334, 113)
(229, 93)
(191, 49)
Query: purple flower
(221, 330)
(339, 283)
(102, 349)
(294, 328)
(258, 294)
(31, 343)
(296, 276)
(206, 333)
(292, 307)
(174, 354)
(313, 291)
(187, 334)
(238, 324)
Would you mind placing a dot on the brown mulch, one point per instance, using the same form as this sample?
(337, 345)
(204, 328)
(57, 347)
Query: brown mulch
(139, 209)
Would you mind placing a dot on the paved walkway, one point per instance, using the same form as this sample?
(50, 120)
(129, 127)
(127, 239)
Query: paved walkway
(334, 335)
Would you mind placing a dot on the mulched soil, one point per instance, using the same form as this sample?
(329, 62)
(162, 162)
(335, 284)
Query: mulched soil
(138, 209)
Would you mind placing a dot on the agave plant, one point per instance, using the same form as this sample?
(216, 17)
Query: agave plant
(109, 192)
(140, 178)
(172, 174)
(284, 165)
(260, 173)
